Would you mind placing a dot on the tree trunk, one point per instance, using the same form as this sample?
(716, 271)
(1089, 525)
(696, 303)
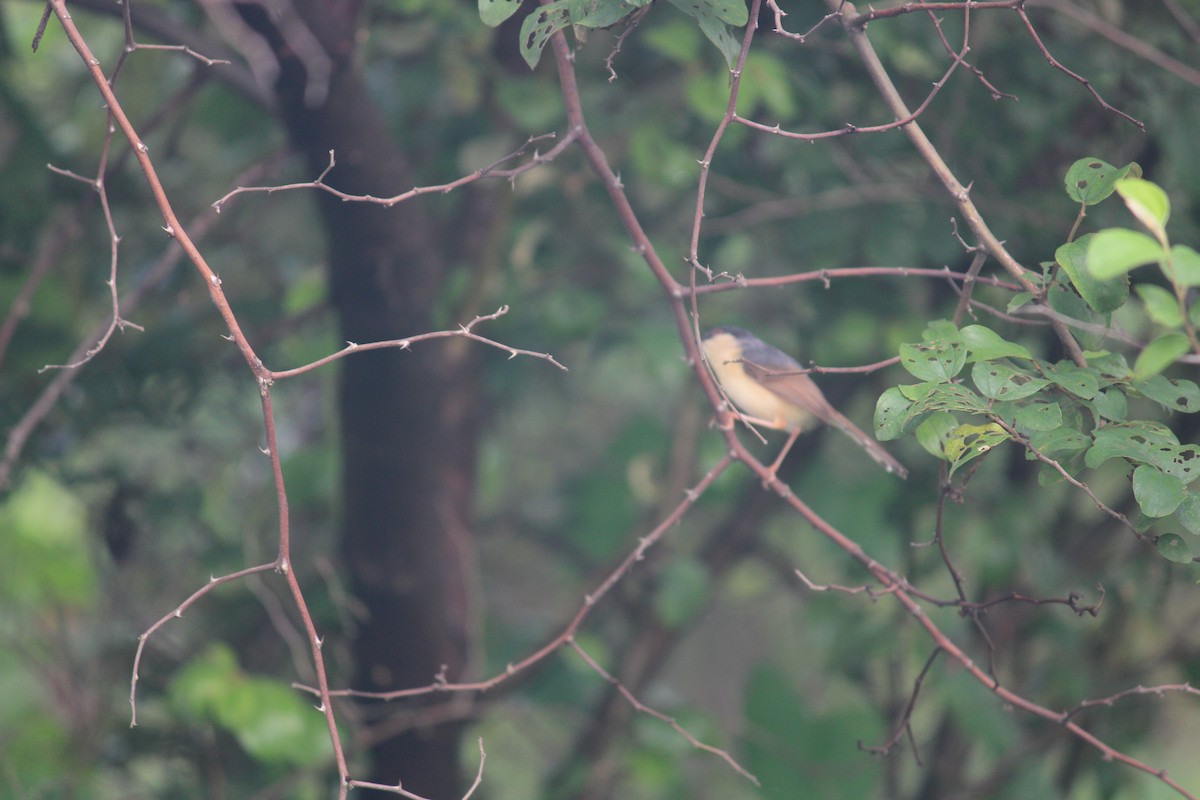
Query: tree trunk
(409, 419)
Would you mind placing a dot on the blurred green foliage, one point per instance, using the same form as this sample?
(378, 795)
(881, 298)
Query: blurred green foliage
(146, 478)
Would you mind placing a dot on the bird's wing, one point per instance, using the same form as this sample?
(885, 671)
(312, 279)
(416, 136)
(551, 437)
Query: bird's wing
(795, 387)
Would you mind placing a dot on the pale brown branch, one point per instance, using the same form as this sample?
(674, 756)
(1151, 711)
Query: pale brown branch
(1054, 62)
(959, 193)
(176, 613)
(440, 684)
(491, 171)
(463, 331)
(642, 708)
(1157, 691)
(1124, 40)
(400, 791)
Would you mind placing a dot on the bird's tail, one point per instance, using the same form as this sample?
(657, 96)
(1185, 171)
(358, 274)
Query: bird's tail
(874, 449)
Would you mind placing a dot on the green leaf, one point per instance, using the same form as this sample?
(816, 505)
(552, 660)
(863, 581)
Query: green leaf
(196, 689)
(985, 344)
(936, 432)
(1160, 354)
(273, 724)
(1002, 382)
(1080, 381)
(1189, 512)
(1039, 417)
(1182, 462)
(1179, 395)
(1019, 299)
(919, 392)
(718, 33)
(767, 84)
(939, 330)
(1115, 251)
(48, 559)
(600, 13)
(1112, 365)
(493, 12)
(968, 442)
(1066, 302)
(547, 20)
(1185, 266)
(1103, 296)
(1111, 404)
(539, 26)
(270, 721)
(731, 12)
(1157, 493)
(714, 17)
(1139, 441)
(1090, 180)
(1148, 202)
(950, 397)
(890, 414)
(1060, 443)
(933, 361)
(1161, 305)
(1172, 547)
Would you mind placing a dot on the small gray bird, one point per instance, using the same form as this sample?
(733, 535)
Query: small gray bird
(771, 389)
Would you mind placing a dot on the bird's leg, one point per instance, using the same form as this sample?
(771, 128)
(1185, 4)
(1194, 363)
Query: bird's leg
(783, 453)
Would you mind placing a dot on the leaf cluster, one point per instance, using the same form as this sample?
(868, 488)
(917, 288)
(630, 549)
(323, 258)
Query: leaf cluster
(1073, 417)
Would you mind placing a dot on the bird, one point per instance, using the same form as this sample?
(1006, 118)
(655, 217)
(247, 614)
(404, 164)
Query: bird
(771, 389)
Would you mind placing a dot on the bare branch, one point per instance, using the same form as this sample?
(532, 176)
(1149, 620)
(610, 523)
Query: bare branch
(491, 171)
(463, 331)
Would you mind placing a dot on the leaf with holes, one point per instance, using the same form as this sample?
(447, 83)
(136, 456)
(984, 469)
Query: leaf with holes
(1039, 417)
(951, 397)
(1080, 381)
(1181, 462)
(933, 361)
(1002, 382)
(539, 26)
(731, 12)
(891, 413)
(968, 442)
(1179, 395)
(1138, 441)
(714, 17)
(1060, 443)
(600, 13)
(1090, 180)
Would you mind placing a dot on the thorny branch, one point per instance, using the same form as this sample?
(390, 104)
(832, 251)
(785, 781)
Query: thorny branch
(677, 296)
(491, 171)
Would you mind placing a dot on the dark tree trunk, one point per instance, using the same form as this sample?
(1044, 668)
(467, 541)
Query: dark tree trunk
(409, 419)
